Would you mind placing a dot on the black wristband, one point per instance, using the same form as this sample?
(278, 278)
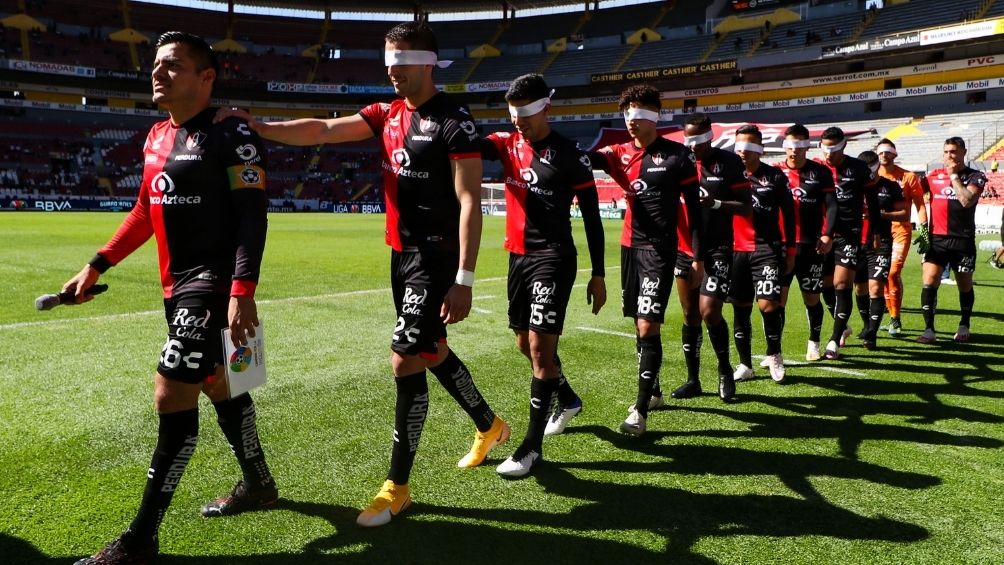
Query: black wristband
(99, 263)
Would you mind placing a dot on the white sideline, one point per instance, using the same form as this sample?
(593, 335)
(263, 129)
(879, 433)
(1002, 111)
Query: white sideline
(18, 325)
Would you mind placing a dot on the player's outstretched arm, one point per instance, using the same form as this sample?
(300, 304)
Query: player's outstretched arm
(467, 180)
(309, 131)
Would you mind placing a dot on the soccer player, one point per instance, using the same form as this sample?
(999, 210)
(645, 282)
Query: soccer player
(656, 174)
(763, 254)
(854, 183)
(432, 186)
(815, 206)
(725, 192)
(873, 262)
(203, 199)
(955, 191)
(901, 230)
(543, 172)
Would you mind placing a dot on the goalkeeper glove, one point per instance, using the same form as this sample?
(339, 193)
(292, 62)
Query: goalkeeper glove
(923, 239)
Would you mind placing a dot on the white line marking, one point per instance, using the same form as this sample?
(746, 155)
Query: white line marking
(819, 366)
(18, 325)
(602, 331)
(481, 310)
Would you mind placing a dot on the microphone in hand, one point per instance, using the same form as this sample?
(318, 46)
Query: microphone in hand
(50, 301)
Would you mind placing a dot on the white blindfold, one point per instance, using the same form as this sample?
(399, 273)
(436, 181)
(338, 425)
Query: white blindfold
(885, 148)
(532, 108)
(749, 146)
(692, 140)
(640, 114)
(833, 148)
(412, 57)
(796, 144)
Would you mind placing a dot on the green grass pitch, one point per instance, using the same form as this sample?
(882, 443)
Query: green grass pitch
(892, 456)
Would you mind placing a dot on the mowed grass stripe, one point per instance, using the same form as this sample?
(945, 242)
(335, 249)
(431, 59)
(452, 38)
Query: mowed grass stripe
(900, 465)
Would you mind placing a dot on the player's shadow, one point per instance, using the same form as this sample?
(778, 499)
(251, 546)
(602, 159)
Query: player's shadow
(682, 517)
(794, 470)
(849, 432)
(16, 551)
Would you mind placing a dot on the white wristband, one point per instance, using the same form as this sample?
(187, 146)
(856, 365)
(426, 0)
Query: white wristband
(716, 204)
(465, 278)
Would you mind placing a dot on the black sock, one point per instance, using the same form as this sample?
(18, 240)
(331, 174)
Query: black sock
(864, 307)
(239, 422)
(566, 395)
(457, 380)
(742, 330)
(772, 331)
(842, 310)
(409, 419)
(542, 393)
(649, 363)
(782, 314)
(719, 336)
(692, 338)
(966, 301)
(829, 295)
(815, 315)
(876, 310)
(928, 305)
(177, 436)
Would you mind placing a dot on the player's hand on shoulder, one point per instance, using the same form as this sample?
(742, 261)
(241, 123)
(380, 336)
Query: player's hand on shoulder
(242, 317)
(456, 305)
(225, 113)
(80, 282)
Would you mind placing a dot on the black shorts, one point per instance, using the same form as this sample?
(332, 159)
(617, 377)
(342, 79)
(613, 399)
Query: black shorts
(539, 289)
(646, 282)
(419, 281)
(845, 252)
(756, 273)
(958, 252)
(194, 345)
(873, 264)
(808, 269)
(717, 273)
(684, 265)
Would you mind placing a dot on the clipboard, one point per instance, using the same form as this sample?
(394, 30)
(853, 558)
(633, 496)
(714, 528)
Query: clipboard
(245, 364)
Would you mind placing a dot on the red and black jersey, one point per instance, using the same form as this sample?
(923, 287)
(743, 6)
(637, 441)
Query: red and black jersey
(887, 193)
(771, 205)
(722, 176)
(418, 145)
(810, 187)
(541, 178)
(948, 216)
(854, 183)
(203, 198)
(654, 179)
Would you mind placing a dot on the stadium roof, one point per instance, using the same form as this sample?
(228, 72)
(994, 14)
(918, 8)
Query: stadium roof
(409, 6)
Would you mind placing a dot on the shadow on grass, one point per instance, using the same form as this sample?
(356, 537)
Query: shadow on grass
(682, 517)
(850, 432)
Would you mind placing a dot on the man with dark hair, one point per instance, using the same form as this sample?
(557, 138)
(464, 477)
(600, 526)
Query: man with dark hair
(725, 192)
(203, 199)
(955, 191)
(656, 175)
(432, 187)
(544, 171)
(815, 207)
(854, 184)
(874, 262)
(757, 264)
(902, 230)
